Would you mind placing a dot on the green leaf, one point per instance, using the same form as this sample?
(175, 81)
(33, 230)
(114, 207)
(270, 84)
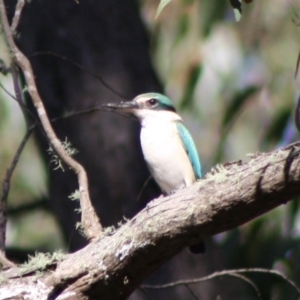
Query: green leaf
(194, 75)
(297, 114)
(213, 15)
(161, 6)
(237, 9)
(237, 103)
(231, 114)
(276, 129)
(237, 15)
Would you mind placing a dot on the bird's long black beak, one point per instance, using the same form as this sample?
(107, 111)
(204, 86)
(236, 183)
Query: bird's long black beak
(122, 106)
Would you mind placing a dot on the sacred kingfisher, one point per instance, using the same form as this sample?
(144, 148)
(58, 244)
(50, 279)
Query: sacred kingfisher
(168, 147)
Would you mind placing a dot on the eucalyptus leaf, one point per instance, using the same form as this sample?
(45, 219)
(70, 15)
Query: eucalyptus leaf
(237, 9)
(194, 75)
(297, 114)
(161, 6)
(237, 103)
(277, 130)
(237, 15)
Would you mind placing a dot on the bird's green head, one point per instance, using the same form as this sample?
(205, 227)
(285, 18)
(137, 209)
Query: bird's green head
(154, 101)
(148, 101)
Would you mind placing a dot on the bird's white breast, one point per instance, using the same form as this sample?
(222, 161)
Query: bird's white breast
(164, 152)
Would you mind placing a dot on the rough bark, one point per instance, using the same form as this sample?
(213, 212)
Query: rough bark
(116, 265)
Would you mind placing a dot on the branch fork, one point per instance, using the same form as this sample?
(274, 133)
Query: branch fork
(90, 222)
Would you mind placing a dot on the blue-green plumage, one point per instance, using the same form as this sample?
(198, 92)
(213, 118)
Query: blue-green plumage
(190, 149)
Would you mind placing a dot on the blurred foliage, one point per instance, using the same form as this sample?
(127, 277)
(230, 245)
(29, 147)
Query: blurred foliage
(188, 95)
(161, 6)
(29, 182)
(234, 85)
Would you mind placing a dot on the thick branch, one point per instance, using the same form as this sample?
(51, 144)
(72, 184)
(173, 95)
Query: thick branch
(90, 222)
(230, 196)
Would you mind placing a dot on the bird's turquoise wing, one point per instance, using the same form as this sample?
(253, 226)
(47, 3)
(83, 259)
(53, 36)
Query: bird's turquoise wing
(190, 148)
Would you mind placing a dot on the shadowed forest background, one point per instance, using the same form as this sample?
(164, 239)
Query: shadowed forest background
(233, 83)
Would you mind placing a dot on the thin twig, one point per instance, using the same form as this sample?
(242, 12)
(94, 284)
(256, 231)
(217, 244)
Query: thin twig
(88, 111)
(10, 170)
(19, 94)
(90, 222)
(3, 68)
(7, 92)
(41, 204)
(17, 15)
(82, 68)
(24, 107)
(191, 292)
(249, 281)
(297, 65)
(146, 293)
(77, 113)
(224, 273)
(6, 188)
(67, 115)
(143, 188)
(297, 113)
(274, 272)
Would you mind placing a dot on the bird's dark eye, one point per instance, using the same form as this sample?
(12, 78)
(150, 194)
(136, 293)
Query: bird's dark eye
(152, 101)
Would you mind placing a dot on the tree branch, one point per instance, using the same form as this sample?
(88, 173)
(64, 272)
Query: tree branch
(41, 204)
(235, 272)
(6, 188)
(17, 15)
(230, 196)
(90, 222)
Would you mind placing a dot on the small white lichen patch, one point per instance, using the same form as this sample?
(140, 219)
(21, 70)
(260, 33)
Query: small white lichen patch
(41, 111)
(218, 174)
(102, 266)
(65, 295)
(125, 280)
(75, 196)
(124, 251)
(27, 74)
(109, 230)
(55, 159)
(144, 244)
(40, 261)
(31, 88)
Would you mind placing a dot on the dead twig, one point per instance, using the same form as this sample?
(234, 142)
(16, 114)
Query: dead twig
(235, 273)
(19, 94)
(90, 222)
(41, 204)
(17, 15)
(81, 67)
(6, 188)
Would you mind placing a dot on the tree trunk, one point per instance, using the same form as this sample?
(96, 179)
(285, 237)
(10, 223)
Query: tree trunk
(107, 39)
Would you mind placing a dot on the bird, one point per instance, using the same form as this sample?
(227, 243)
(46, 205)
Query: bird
(167, 145)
